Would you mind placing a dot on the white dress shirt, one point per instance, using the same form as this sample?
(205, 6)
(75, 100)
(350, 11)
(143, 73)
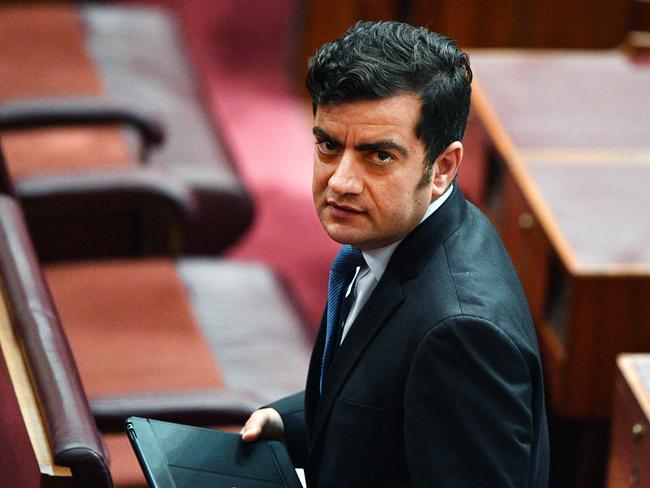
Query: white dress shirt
(366, 277)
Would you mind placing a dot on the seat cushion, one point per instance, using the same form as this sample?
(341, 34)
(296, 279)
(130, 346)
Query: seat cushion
(52, 61)
(140, 55)
(252, 325)
(196, 340)
(131, 327)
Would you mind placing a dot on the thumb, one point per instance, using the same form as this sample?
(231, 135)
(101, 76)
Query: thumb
(251, 433)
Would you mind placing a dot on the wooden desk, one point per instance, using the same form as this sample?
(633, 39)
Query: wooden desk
(629, 459)
(566, 178)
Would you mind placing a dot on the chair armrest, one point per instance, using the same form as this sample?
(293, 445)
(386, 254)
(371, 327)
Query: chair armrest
(135, 211)
(48, 112)
(69, 425)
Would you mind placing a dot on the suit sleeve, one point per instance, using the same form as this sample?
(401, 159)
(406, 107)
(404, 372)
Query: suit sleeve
(292, 411)
(467, 408)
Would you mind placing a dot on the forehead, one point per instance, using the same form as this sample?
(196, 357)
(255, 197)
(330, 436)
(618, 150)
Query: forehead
(397, 114)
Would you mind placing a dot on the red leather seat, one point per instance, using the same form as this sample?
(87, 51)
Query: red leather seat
(188, 339)
(187, 198)
(193, 340)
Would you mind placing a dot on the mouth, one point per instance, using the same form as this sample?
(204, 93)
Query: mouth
(342, 210)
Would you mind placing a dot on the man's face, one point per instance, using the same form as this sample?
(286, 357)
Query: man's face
(368, 166)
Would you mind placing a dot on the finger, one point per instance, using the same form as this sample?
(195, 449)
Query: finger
(253, 427)
(251, 433)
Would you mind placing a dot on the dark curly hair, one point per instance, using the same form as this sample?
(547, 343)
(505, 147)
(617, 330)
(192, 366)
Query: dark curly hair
(375, 60)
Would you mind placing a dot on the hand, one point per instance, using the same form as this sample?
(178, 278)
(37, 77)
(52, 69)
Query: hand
(265, 422)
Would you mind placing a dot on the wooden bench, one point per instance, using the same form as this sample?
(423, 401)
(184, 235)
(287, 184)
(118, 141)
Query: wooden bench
(565, 164)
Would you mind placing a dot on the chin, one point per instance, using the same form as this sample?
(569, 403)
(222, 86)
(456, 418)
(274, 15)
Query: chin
(345, 233)
(341, 237)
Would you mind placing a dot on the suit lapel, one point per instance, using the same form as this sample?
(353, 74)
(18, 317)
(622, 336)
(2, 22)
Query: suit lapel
(312, 393)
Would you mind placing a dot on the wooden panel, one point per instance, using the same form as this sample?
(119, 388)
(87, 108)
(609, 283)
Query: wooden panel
(475, 23)
(473, 173)
(640, 16)
(325, 20)
(630, 434)
(569, 145)
(504, 149)
(558, 205)
(526, 243)
(610, 316)
(637, 41)
(527, 23)
(442, 17)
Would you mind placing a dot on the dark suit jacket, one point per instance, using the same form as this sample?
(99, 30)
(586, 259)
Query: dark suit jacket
(438, 382)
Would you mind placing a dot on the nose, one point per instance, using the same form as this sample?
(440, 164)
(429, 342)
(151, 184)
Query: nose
(346, 177)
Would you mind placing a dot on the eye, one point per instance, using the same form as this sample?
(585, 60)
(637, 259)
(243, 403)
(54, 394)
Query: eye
(327, 147)
(382, 158)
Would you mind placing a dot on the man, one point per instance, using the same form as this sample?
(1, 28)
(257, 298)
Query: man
(433, 377)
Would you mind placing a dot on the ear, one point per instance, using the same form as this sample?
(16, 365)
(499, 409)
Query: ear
(445, 168)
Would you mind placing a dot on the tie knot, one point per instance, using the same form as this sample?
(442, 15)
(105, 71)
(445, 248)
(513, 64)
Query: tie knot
(347, 259)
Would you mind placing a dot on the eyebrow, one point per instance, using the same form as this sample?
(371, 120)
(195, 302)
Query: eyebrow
(379, 145)
(366, 146)
(317, 131)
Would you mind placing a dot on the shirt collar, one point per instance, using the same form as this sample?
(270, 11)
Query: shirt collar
(377, 259)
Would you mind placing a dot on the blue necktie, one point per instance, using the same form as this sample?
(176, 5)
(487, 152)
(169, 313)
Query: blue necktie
(341, 273)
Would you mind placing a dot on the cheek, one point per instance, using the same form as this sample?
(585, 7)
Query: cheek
(387, 199)
(389, 191)
(398, 202)
(319, 178)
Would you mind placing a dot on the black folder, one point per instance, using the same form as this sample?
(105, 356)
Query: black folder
(181, 456)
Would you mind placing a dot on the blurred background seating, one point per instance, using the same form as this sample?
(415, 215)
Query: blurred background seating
(90, 194)
(194, 340)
